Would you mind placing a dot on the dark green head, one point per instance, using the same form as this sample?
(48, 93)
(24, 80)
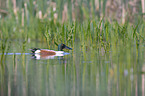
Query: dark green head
(63, 46)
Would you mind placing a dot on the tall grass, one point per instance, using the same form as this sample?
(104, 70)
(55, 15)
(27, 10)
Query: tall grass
(68, 22)
(90, 33)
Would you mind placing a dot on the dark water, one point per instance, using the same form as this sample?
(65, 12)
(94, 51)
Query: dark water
(119, 71)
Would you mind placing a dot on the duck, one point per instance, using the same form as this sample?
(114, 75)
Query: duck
(48, 52)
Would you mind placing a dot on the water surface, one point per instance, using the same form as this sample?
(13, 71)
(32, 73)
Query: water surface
(86, 71)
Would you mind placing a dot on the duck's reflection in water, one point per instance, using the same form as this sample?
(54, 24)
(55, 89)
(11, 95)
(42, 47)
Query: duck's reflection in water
(46, 56)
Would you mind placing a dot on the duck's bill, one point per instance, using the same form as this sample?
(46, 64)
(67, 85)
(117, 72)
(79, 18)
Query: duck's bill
(68, 48)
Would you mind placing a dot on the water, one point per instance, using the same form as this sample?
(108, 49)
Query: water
(119, 71)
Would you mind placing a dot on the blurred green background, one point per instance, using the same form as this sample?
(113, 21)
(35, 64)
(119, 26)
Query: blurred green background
(72, 10)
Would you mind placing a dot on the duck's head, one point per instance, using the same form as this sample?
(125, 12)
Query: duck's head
(63, 46)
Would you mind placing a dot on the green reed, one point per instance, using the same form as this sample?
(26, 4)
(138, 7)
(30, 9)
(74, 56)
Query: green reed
(27, 23)
(89, 32)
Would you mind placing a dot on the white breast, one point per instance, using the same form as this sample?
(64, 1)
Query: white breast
(37, 51)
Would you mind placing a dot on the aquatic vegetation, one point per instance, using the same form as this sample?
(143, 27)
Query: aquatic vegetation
(4, 46)
(91, 34)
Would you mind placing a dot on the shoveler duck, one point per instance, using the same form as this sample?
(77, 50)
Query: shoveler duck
(51, 52)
